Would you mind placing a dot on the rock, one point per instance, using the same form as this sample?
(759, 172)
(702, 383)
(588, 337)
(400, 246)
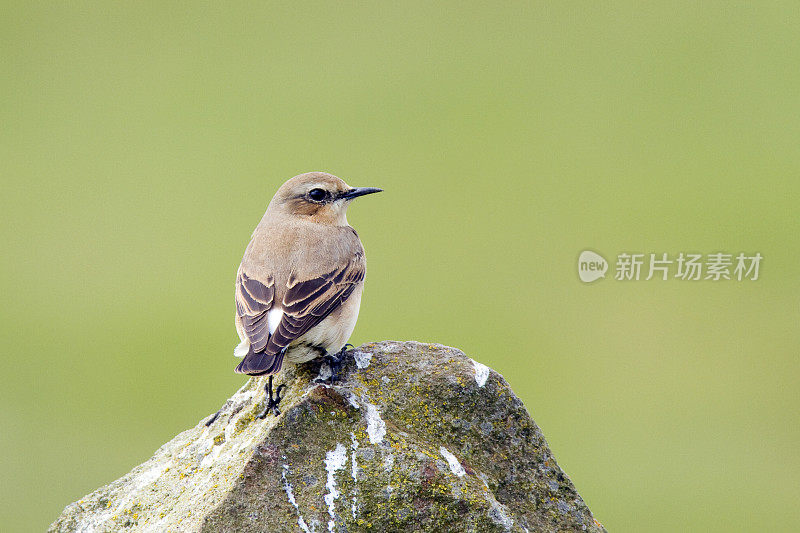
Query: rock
(414, 437)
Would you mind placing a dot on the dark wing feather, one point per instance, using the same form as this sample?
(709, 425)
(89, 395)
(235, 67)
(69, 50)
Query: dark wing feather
(253, 301)
(258, 364)
(307, 303)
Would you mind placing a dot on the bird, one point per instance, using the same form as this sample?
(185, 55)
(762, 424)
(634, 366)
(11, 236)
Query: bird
(298, 288)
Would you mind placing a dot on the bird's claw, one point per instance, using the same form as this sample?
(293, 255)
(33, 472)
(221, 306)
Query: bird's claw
(334, 362)
(273, 400)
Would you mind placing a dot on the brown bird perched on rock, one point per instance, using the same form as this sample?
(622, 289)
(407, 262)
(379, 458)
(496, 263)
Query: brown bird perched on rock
(298, 288)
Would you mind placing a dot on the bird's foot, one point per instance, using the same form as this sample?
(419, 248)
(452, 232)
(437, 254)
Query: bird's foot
(334, 362)
(274, 399)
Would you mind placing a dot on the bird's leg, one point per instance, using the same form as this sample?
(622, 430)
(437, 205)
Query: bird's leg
(335, 361)
(273, 402)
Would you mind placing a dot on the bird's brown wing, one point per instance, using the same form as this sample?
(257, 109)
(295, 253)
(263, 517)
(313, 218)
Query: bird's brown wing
(308, 302)
(254, 299)
(305, 304)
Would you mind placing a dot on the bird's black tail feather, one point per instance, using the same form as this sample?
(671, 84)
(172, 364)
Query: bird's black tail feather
(260, 364)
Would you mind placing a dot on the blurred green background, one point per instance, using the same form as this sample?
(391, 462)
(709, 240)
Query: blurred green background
(141, 142)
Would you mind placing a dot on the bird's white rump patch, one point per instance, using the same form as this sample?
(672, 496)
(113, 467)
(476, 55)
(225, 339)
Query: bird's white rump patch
(481, 373)
(452, 460)
(274, 316)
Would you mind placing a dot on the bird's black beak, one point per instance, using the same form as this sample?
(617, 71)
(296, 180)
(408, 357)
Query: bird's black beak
(359, 191)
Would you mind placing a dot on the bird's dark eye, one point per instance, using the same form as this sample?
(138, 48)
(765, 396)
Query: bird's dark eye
(317, 194)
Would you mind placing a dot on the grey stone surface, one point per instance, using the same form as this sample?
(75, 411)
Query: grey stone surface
(414, 437)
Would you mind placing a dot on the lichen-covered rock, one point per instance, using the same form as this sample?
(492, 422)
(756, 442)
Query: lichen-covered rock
(413, 437)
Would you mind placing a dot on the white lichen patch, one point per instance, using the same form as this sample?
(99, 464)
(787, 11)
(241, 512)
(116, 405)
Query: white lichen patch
(376, 427)
(290, 495)
(211, 457)
(354, 472)
(481, 373)
(498, 513)
(484, 479)
(242, 396)
(362, 359)
(334, 460)
(93, 522)
(354, 464)
(452, 461)
(149, 476)
(388, 462)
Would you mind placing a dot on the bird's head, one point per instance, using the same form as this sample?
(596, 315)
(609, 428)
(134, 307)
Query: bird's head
(317, 196)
